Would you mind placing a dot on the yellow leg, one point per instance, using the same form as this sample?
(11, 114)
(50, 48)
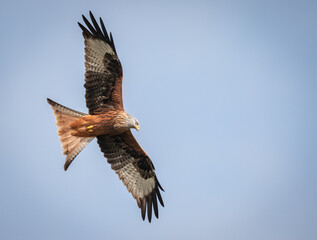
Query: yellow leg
(89, 128)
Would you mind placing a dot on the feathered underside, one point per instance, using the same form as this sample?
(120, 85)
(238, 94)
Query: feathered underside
(135, 169)
(103, 85)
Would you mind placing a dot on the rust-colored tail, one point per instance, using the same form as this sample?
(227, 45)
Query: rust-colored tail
(72, 145)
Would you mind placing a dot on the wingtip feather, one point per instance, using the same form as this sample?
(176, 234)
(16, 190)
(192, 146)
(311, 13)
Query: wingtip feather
(155, 206)
(149, 207)
(143, 208)
(159, 197)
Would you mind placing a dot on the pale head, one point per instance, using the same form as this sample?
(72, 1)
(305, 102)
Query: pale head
(134, 123)
(125, 120)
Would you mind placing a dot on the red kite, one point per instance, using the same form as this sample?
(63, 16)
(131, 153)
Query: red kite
(107, 121)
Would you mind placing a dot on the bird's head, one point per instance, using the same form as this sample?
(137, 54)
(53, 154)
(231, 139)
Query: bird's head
(133, 123)
(136, 124)
(124, 121)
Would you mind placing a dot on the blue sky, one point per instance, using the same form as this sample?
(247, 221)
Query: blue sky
(225, 93)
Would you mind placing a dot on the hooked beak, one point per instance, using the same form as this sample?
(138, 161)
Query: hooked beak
(137, 128)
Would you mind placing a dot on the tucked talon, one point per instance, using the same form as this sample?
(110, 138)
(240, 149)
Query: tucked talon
(89, 128)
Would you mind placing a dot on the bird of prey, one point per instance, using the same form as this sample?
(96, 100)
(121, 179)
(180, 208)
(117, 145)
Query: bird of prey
(107, 121)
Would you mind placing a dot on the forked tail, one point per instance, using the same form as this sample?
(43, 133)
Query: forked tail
(72, 145)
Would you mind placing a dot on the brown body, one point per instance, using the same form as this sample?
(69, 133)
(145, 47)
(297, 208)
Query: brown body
(95, 125)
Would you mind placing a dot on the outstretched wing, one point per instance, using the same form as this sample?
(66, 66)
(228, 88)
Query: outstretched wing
(103, 74)
(134, 168)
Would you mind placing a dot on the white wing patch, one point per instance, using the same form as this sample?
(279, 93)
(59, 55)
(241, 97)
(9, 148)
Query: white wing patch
(95, 50)
(124, 165)
(137, 185)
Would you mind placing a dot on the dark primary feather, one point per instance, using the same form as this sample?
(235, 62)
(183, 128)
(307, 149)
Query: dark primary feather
(125, 157)
(103, 75)
(96, 31)
(104, 30)
(91, 28)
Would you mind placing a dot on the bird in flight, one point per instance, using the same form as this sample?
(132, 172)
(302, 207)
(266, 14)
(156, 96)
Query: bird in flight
(107, 121)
